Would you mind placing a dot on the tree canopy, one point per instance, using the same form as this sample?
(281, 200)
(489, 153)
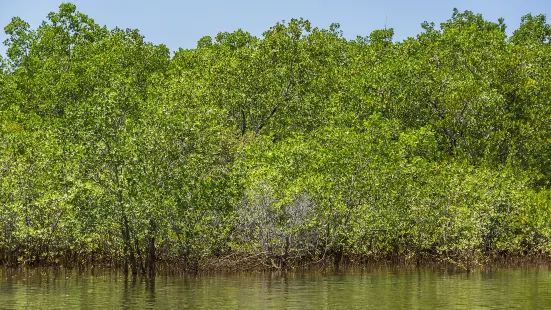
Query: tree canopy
(290, 148)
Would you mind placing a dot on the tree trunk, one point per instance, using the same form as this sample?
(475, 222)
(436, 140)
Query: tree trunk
(129, 256)
(338, 258)
(151, 258)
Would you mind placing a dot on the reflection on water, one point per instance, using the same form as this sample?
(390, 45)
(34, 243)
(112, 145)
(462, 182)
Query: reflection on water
(373, 289)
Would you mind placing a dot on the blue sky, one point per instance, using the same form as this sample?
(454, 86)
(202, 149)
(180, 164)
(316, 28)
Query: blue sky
(182, 23)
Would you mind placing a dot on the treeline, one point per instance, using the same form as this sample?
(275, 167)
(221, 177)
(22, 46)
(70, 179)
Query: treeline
(293, 148)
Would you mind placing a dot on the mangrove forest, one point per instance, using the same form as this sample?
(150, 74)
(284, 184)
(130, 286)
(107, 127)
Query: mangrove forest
(294, 148)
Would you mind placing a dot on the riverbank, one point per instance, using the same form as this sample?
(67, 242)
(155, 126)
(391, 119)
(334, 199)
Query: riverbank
(247, 263)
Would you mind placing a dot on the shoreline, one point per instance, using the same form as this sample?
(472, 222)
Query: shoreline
(252, 264)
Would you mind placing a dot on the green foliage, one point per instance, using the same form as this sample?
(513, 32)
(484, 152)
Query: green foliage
(295, 146)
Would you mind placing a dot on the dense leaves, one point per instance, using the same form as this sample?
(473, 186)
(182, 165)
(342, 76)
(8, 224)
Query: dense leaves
(295, 147)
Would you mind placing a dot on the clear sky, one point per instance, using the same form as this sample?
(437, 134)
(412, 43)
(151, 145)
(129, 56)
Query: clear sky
(182, 23)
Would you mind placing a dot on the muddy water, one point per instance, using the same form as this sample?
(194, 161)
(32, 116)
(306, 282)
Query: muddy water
(373, 289)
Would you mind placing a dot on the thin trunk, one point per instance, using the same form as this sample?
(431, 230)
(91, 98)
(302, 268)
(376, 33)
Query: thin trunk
(139, 256)
(338, 258)
(151, 258)
(129, 255)
(243, 123)
(286, 254)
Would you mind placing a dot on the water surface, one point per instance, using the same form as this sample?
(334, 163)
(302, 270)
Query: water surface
(373, 289)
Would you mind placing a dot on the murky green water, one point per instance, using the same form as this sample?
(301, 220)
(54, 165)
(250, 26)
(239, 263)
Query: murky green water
(375, 289)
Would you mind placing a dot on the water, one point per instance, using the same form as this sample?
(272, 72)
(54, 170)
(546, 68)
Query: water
(374, 289)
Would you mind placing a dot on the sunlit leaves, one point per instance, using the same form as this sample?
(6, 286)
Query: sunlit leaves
(297, 145)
